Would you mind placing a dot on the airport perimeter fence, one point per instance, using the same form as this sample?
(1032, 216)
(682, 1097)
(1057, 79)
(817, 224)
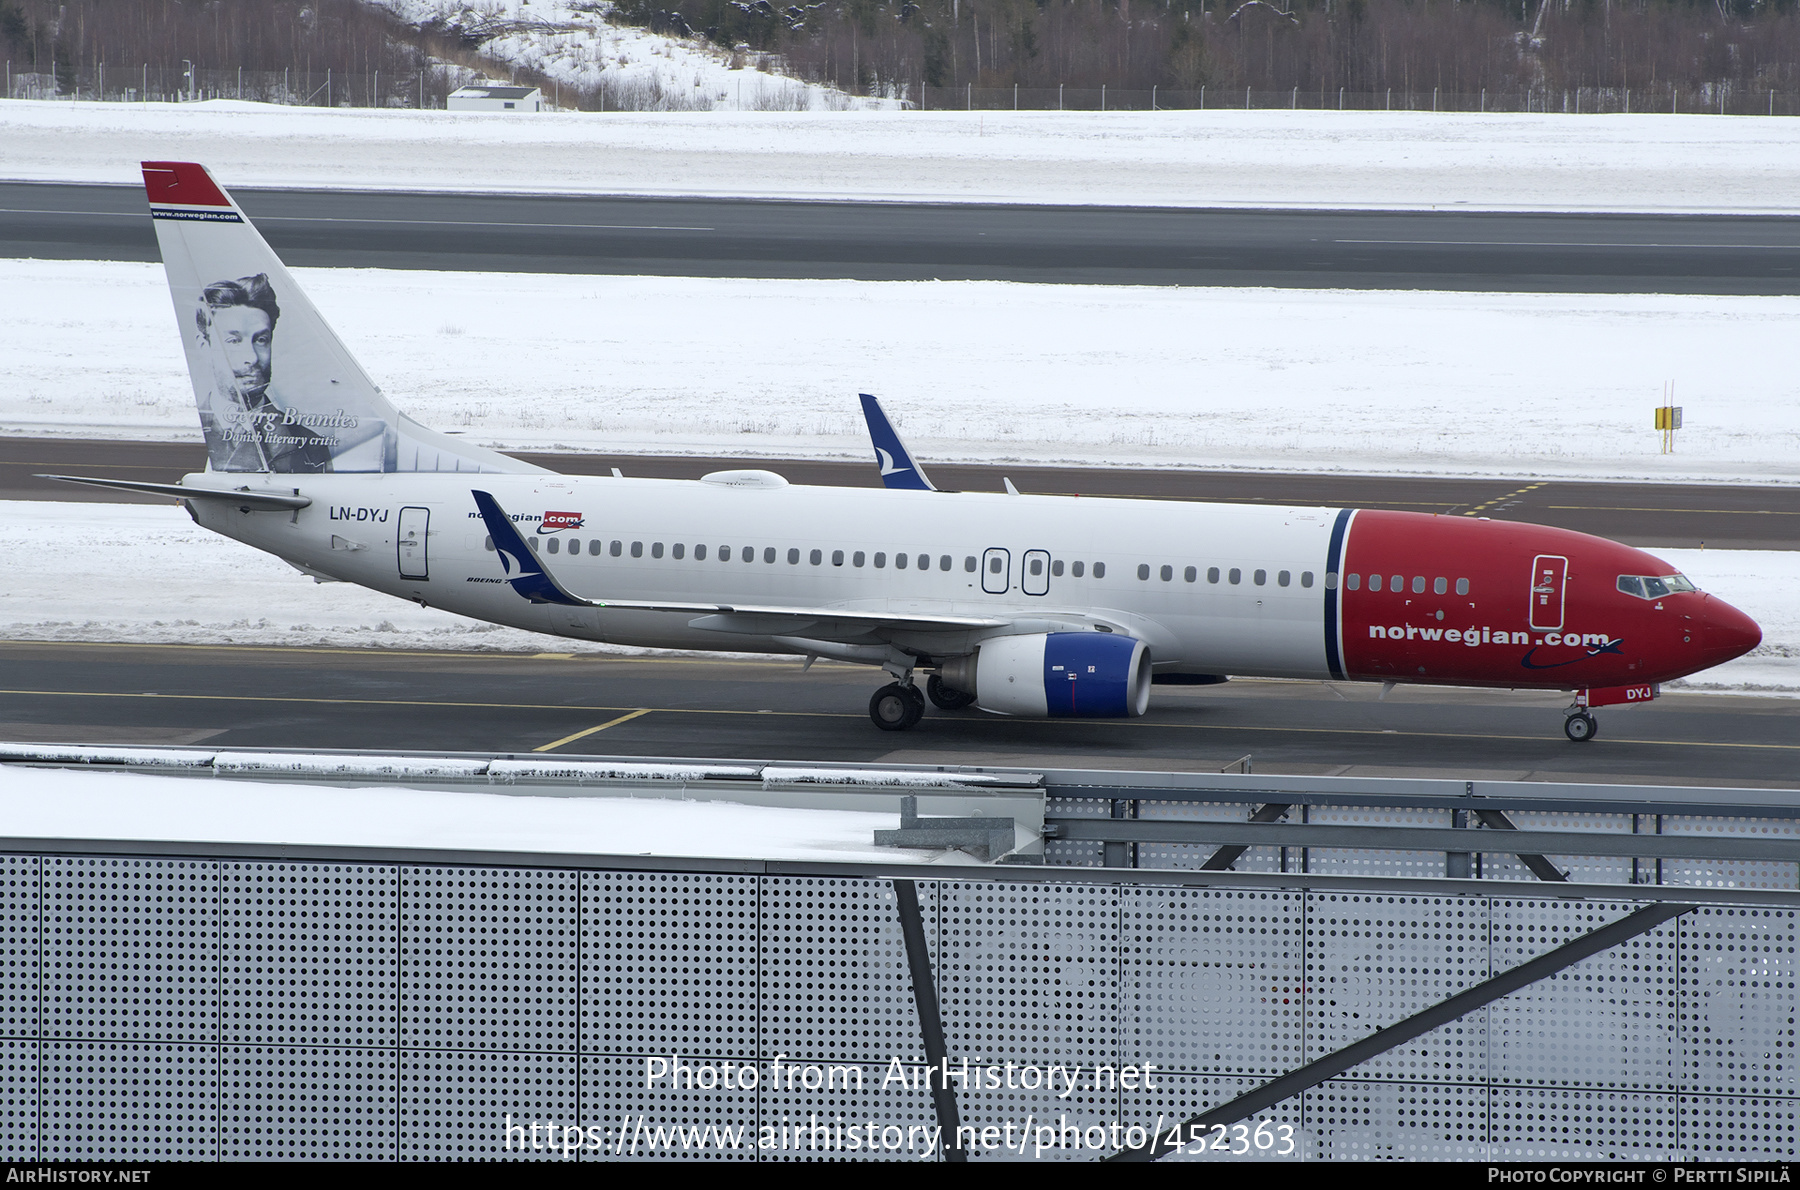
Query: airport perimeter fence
(200, 1002)
(428, 88)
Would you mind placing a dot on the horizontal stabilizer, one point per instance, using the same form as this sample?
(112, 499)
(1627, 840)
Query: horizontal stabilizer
(260, 499)
(898, 468)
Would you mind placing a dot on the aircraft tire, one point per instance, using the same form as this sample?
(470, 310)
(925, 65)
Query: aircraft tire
(1581, 727)
(945, 698)
(896, 707)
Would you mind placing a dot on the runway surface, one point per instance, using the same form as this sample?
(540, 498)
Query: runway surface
(1644, 514)
(709, 237)
(677, 706)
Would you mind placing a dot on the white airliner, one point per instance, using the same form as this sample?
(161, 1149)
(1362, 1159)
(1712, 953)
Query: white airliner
(1016, 604)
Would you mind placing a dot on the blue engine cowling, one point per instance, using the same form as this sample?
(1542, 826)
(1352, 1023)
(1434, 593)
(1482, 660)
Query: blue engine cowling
(1080, 675)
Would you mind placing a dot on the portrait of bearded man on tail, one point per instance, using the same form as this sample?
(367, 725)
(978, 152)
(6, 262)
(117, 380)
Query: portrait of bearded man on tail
(247, 426)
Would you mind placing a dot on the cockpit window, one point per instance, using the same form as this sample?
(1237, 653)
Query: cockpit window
(1648, 586)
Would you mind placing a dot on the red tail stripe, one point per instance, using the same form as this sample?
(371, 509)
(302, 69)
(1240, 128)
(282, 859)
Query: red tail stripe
(183, 184)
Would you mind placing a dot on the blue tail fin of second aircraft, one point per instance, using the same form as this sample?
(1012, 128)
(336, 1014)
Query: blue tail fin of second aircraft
(521, 566)
(898, 468)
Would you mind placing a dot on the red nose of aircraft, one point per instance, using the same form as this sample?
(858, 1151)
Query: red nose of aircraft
(1725, 632)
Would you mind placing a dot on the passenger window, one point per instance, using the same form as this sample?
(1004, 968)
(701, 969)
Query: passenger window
(488, 544)
(994, 565)
(856, 559)
(1397, 583)
(555, 545)
(532, 542)
(816, 557)
(1168, 572)
(1462, 586)
(1261, 577)
(1331, 580)
(1306, 579)
(1056, 568)
(594, 547)
(749, 553)
(1212, 574)
(899, 561)
(969, 563)
(793, 557)
(656, 549)
(924, 561)
(1037, 566)
(1282, 578)
(1439, 586)
(944, 562)
(678, 551)
(1353, 581)
(1374, 582)
(769, 554)
(1076, 568)
(1099, 570)
(1236, 576)
(637, 549)
(574, 545)
(880, 560)
(1190, 574)
(724, 553)
(1418, 584)
(699, 553)
(837, 557)
(618, 547)
(1143, 570)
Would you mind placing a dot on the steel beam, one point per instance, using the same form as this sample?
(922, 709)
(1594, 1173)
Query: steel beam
(1383, 1040)
(931, 1022)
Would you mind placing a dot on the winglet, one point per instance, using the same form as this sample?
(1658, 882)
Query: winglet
(520, 562)
(898, 470)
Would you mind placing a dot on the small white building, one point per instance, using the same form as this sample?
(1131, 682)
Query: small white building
(495, 97)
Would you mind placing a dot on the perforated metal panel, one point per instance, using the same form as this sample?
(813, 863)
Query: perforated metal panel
(19, 944)
(1739, 1128)
(18, 1100)
(295, 1104)
(131, 948)
(1026, 970)
(1040, 1124)
(118, 1101)
(1213, 980)
(1178, 1098)
(1607, 1021)
(886, 1116)
(489, 958)
(1075, 853)
(454, 1105)
(1738, 1000)
(669, 964)
(1557, 1124)
(309, 953)
(1376, 960)
(1358, 1120)
(834, 976)
(702, 1113)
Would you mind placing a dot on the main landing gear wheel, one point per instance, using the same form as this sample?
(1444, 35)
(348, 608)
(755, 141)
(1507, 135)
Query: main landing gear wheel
(1580, 727)
(945, 698)
(897, 707)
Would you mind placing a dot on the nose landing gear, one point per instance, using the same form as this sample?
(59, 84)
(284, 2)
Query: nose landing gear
(1580, 726)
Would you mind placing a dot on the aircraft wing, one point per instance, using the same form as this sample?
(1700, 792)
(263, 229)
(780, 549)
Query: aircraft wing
(898, 468)
(527, 575)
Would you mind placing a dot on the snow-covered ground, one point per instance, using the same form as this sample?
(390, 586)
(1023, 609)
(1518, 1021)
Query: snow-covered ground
(65, 804)
(1400, 160)
(192, 586)
(574, 46)
(1507, 385)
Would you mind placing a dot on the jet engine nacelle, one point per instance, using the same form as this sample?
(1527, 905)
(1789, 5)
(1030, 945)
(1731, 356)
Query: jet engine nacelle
(1061, 675)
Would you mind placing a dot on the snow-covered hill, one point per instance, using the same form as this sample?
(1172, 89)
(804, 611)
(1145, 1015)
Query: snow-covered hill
(623, 68)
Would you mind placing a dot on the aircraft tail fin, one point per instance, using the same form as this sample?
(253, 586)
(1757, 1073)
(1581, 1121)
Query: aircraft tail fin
(277, 390)
(898, 468)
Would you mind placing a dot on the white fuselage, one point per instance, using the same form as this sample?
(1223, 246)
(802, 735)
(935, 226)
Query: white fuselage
(813, 547)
